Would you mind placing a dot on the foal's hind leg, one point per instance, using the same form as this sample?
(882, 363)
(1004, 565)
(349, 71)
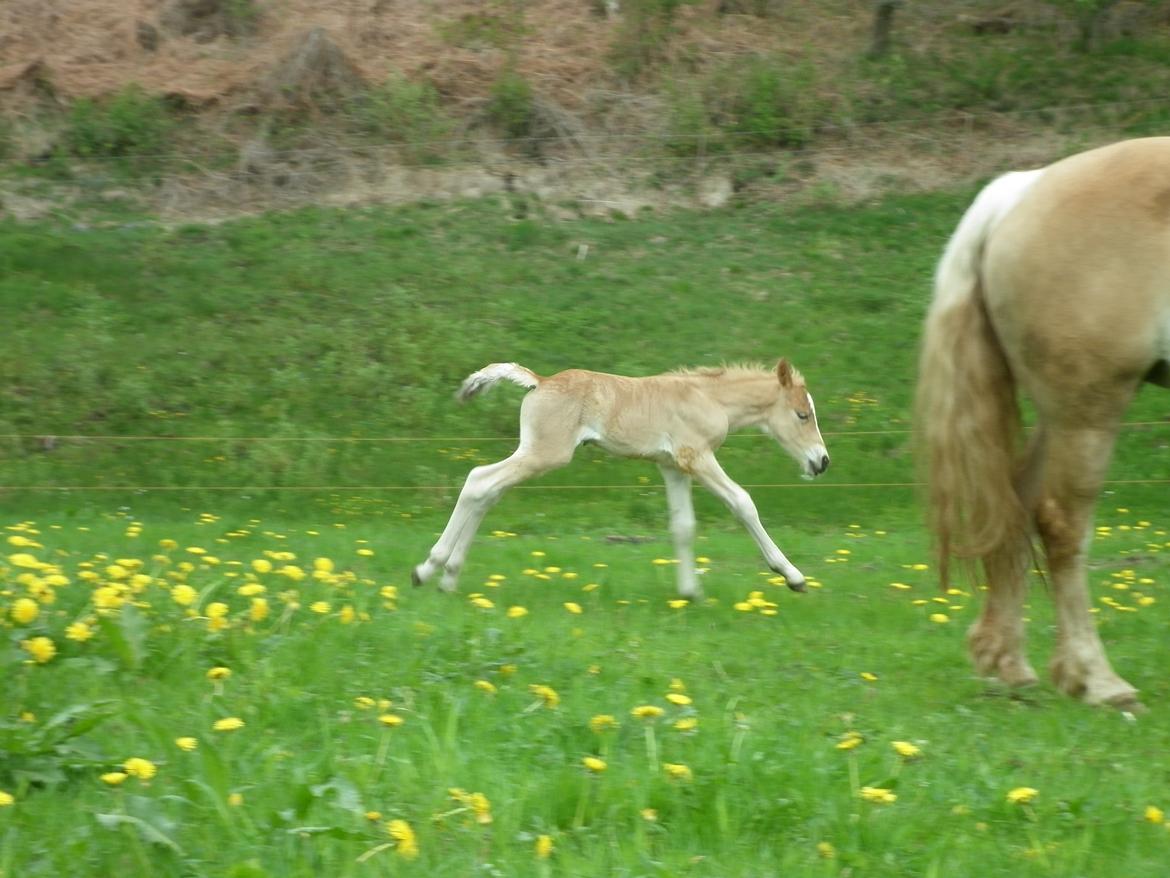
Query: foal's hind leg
(481, 491)
(1077, 459)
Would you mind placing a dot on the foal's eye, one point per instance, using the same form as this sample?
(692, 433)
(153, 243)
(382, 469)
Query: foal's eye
(804, 416)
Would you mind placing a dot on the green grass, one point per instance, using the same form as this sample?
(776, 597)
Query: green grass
(322, 325)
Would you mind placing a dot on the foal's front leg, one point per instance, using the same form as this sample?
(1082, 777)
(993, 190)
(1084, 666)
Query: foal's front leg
(682, 528)
(711, 475)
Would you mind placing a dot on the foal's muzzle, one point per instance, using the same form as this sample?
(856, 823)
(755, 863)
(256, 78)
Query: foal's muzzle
(815, 465)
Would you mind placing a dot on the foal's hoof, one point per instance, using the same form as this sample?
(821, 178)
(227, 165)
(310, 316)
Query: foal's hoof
(415, 579)
(797, 585)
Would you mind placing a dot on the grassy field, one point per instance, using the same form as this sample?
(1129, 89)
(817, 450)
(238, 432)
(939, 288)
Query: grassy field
(238, 680)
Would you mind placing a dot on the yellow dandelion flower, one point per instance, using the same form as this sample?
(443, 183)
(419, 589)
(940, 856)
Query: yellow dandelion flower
(391, 720)
(678, 699)
(650, 815)
(647, 711)
(235, 799)
(79, 632)
(868, 677)
(320, 607)
(826, 851)
(906, 750)
(603, 722)
(678, 771)
(546, 694)
(594, 764)
(850, 740)
(114, 778)
(258, 610)
(517, 612)
(6, 799)
(405, 841)
(481, 602)
(940, 618)
(184, 595)
(678, 603)
(486, 686)
(573, 608)
(686, 724)
(217, 610)
(544, 847)
(143, 769)
(218, 673)
(481, 808)
(42, 649)
(1154, 814)
(25, 611)
(364, 702)
(878, 795)
(228, 724)
(1022, 795)
(373, 816)
(187, 743)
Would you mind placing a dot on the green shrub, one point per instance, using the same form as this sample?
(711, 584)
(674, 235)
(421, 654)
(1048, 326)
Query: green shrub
(760, 103)
(131, 123)
(407, 113)
(643, 35)
(511, 104)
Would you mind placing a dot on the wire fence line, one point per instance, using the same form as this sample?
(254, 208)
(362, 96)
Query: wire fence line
(342, 489)
(451, 440)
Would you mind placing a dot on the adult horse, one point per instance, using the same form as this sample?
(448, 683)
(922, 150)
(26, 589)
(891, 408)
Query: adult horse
(1056, 284)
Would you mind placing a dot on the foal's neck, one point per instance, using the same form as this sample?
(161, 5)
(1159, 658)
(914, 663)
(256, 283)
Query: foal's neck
(746, 396)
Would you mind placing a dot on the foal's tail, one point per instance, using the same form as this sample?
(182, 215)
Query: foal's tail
(966, 409)
(488, 376)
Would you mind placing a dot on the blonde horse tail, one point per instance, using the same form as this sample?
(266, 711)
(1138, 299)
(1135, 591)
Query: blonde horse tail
(488, 376)
(968, 419)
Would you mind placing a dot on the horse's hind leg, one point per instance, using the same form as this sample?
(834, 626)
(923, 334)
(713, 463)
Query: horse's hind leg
(1076, 460)
(996, 641)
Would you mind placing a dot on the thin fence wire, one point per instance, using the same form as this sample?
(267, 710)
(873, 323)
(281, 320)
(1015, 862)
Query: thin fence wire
(452, 440)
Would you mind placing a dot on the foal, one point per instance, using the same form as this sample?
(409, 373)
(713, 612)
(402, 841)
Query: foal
(678, 420)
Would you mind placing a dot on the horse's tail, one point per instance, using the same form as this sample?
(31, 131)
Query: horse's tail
(485, 378)
(966, 409)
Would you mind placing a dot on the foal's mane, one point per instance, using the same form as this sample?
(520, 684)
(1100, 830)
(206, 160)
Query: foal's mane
(731, 371)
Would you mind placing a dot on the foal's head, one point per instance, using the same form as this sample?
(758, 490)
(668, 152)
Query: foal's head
(792, 422)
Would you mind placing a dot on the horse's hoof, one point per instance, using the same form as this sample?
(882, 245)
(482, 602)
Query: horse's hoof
(415, 579)
(798, 586)
(1127, 703)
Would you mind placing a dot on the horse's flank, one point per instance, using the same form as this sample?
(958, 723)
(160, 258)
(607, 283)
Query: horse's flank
(1056, 283)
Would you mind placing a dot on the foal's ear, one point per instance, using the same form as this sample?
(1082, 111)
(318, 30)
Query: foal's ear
(784, 372)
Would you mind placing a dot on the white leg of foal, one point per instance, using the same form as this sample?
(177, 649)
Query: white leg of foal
(682, 528)
(711, 475)
(481, 490)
